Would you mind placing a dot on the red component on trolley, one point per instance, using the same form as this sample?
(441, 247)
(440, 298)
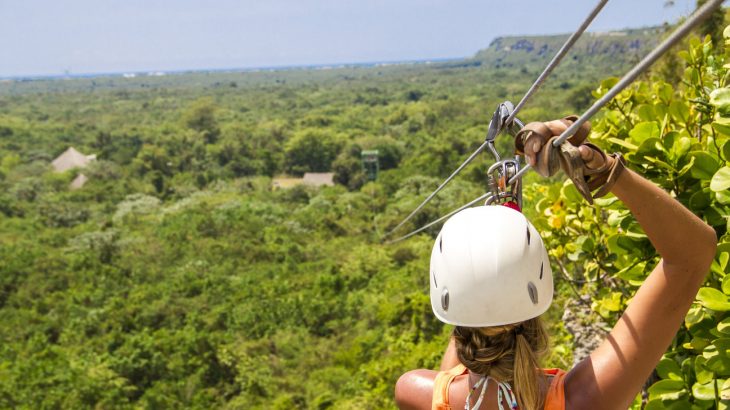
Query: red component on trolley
(513, 205)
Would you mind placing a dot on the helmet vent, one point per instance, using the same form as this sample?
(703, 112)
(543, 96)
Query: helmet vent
(441, 245)
(541, 269)
(532, 290)
(435, 284)
(445, 300)
(528, 235)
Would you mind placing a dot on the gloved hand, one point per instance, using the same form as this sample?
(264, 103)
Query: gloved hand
(584, 163)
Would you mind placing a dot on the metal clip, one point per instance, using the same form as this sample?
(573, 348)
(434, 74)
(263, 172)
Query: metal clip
(502, 171)
(499, 175)
(496, 125)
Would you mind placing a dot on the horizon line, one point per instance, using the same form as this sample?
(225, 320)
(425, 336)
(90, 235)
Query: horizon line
(253, 69)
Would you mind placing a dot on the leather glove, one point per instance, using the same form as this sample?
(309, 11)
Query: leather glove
(584, 163)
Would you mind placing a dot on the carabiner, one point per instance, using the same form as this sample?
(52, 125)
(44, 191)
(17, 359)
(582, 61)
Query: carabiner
(499, 175)
(502, 171)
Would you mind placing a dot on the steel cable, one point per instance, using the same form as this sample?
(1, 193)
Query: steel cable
(440, 187)
(697, 17)
(557, 58)
(538, 82)
(430, 224)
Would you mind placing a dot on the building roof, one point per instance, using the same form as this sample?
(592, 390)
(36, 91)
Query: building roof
(319, 178)
(79, 181)
(71, 159)
(286, 182)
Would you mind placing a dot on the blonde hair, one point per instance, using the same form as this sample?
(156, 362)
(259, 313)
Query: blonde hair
(509, 353)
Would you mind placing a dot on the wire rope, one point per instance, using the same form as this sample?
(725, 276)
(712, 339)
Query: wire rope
(697, 17)
(533, 88)
(557, 58)
(430, 224)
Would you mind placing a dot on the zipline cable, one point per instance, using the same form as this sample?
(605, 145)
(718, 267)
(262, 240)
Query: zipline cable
(440, 187)
(698, 16)
(538, 82)
(430, 224)
(557, 58)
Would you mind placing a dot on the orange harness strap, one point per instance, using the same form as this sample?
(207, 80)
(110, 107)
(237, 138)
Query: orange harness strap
(555, 399)
(441, 385)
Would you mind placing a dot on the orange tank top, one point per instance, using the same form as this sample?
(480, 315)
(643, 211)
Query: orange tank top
(555, 399)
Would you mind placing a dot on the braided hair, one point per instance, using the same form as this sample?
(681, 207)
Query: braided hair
(508, 353)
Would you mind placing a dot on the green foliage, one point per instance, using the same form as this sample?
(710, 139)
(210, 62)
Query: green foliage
(348, 168)
(200, 117)
(677, 138)
(310, 150)
(177, 278)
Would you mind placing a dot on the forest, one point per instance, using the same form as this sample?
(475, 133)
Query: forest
(178, 276)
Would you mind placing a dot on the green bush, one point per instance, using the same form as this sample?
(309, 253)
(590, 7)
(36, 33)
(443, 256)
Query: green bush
(680, 139)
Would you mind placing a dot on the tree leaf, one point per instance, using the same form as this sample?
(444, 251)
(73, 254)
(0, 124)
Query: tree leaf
(659, 404)
(686, 167)
(699, 200)
(724, 326)
(704, 391)
(679, 147)
(723, 197)
(632, 273)
(667, 390)
(720, 98)
(721, 179)
(725, 390)
(645, 112)
(722, 259)
(717, 357)
(663, 164)
(669, 369)
(625, 144)
(679, 111)
(705, 165)
(719, 364)
(570, 192)
(692, 73)
(702, 373)
(713, 299)
(722, 126)
(694, 315)
(644, 130)
(606, 201)
(725, 280)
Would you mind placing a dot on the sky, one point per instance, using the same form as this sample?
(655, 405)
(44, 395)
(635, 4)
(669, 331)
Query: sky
(53, 37)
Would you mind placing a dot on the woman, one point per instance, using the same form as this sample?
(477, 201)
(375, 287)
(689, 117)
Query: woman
(496, 296)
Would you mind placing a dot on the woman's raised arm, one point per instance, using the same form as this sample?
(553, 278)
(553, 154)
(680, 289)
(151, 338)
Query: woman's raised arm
(612, 376)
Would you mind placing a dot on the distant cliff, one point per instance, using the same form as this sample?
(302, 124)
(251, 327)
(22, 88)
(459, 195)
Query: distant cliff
(612, 49)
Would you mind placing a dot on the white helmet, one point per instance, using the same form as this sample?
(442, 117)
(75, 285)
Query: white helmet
(489, 267)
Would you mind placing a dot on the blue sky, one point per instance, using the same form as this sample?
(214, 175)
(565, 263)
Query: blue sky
(92, 36)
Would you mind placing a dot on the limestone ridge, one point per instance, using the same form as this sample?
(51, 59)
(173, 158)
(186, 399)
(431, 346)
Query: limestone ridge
(614, 48)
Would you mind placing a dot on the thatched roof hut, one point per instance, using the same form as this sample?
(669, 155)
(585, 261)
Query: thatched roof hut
(319, 178)
(71, 159)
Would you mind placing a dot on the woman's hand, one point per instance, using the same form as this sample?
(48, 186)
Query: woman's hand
(584, 163)
(590, 157)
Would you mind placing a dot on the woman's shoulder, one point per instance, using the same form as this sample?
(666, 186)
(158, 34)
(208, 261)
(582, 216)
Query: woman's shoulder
(414, 389)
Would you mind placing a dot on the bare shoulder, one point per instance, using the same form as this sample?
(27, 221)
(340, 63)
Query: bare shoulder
(415, 389)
